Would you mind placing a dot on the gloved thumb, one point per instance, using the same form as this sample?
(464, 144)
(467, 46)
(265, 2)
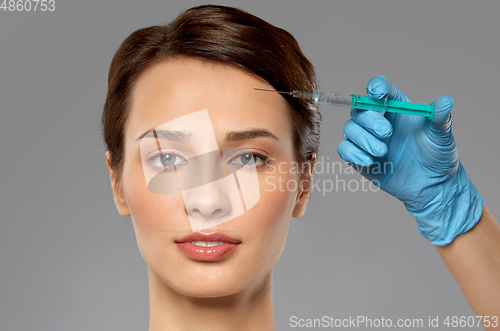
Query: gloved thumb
(441, 119)
(442, 151)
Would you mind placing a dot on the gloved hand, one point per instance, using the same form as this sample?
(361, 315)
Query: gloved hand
(414, 159)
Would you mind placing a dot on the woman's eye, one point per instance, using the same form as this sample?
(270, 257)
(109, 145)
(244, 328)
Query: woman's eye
(248, 159)
(167, 160)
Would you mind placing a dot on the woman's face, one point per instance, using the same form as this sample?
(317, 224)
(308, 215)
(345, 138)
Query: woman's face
(178, 87)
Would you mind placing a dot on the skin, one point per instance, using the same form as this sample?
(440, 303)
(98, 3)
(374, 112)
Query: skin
(236, 292)
(474, 261)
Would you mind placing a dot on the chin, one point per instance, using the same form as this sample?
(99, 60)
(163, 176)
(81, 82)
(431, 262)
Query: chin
(210, 289)
(209, 279)
(209, 292)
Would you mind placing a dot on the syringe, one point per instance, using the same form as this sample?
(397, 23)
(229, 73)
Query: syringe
(362, 102)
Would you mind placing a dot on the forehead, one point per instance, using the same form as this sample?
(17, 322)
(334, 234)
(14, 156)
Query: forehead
(179, 86)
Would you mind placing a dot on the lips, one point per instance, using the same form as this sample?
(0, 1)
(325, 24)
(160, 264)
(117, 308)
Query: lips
(207, 247)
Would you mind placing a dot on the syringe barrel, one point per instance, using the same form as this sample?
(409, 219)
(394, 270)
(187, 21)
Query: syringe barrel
(333, 98)
(367, 103)
(341, 99)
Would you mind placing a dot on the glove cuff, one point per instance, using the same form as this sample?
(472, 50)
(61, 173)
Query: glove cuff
(458, 212)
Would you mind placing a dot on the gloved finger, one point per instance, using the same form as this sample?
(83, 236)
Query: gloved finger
(373, 121)
(364, 139)
(349, 152)
(441, 119)
(378, 87)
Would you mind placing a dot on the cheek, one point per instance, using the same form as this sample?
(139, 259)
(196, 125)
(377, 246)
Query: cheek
(155, 216)
(276, 196)
(272, 216)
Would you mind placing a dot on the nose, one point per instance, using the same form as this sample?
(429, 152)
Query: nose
(210, 202)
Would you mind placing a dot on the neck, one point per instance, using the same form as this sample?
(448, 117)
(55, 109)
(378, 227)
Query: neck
(249, 309)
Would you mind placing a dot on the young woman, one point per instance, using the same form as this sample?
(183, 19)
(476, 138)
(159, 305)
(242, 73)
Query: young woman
(191, 83)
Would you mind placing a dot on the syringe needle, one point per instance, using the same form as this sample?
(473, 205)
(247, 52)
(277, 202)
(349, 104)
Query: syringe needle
(259, 89)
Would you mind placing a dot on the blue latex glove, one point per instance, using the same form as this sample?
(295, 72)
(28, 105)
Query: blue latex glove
(420, 160)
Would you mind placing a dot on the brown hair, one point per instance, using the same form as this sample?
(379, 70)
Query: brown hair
(224, 35)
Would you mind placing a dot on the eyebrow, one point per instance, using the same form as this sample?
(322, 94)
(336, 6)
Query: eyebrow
(249, 134)
(230, 135)
(167, 134)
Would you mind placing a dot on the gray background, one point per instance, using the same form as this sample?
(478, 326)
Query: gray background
(69, 261)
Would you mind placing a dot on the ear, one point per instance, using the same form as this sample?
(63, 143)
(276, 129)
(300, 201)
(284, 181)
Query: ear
(118, 196)
(303, 191)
